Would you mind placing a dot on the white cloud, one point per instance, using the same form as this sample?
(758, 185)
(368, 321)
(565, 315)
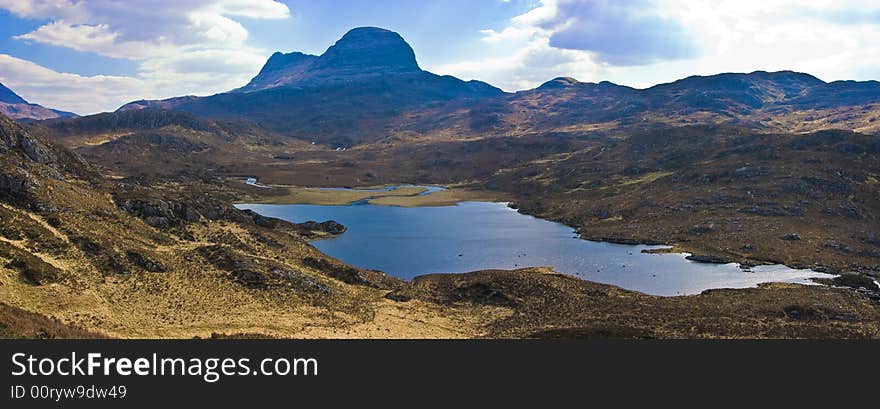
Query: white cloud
(182, 46)
(66, 91)
(645, 42)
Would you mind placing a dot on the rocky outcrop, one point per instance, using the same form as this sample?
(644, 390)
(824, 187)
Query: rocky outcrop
(706, 258)
(14, 186)
(255, 273)
(13, 137)
(342, 273)
(160, 213)
(145, 262)
(330, 227)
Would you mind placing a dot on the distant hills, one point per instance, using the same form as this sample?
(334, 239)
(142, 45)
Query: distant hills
(368, 86)
(359, 84)
(730, 93)
(15, 107)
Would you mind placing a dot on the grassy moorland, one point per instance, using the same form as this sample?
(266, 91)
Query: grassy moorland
(82, 255)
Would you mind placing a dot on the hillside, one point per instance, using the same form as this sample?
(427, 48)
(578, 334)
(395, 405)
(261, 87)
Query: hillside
(15, 107)
(122, 224)
(82, 255)
(744, 153)
(346, 96)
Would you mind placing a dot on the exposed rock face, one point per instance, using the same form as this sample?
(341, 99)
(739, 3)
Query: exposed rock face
(12, 137)
(13, 185)
(161, 213)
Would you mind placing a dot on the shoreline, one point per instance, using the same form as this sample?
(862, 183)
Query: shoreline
(401, 195)
(809, 278)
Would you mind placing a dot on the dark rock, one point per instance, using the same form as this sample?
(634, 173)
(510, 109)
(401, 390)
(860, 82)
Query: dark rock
(796, 312)
(249, 278)
(157, 221)
(260, 220)
(855, 281)
(87, 245)
(14, 137)
(32, 268)
(481, 293)
(160, 213)
(702, 258)
(791, 237)
(144, 262)
(342, 273)
(333, 227)
(330, 226)
(837, 246)
(300, 280)
(114, 264)
(36, 150)
(15, 186)
(704, 228)
(602, 214)
(848, 209)
(397, 296)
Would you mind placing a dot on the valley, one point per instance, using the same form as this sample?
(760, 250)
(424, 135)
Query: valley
(124, 224)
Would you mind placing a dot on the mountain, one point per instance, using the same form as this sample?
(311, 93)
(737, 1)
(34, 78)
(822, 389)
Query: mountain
(368, 87)
(347, 95)
(782, 101)
(88, 253)
(133, 142)
(15, 107)
(363, 53)
(9, 97)
(281, 69)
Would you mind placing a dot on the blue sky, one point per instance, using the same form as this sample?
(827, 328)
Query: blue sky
(94, 55)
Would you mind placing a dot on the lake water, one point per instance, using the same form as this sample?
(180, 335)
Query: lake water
(407, 242)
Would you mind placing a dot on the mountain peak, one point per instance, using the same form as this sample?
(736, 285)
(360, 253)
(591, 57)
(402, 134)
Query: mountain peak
(362, 53)
(559, 82)
(10, 97)
(280, 61)
(369, 49)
